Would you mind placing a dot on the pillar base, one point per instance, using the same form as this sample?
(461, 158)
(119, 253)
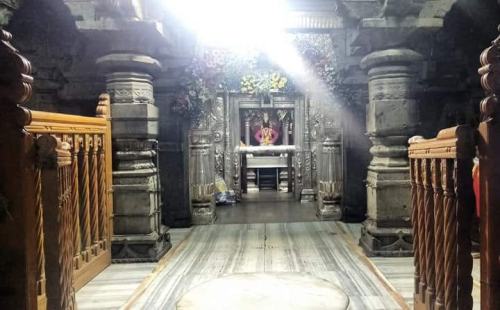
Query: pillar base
(329, 211)
(204, 214)
(386, 241)
(307, 195)
(140, 248)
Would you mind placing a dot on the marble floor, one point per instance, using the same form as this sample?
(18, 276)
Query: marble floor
(399, 272)
(266, 233)
(322, 249)
(115, 285)
(266, 207)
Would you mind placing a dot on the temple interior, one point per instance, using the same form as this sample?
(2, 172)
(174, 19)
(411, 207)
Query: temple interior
(264, 154)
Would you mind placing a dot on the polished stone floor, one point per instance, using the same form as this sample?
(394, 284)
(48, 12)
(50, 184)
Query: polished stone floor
(116, 284)
(321, 249)
(267, 233)
(267, 207)
(265, 291)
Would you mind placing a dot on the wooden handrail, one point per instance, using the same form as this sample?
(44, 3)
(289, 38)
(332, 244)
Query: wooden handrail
(454, 142)
(442, 210)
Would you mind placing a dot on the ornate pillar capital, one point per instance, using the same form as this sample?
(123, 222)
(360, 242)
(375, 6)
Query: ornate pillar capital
(390, 57)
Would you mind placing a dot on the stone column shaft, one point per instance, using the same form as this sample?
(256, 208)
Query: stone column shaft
(391, 120)
(138, 233)
(202, 177)
(330, 178)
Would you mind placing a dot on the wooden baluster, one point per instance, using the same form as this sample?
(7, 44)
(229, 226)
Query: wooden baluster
(429, 229)
(40, 253)
(421, 231)
(414, 220)
(103, 110)
(75, 198)
(85, 197)
(94, 199)
(450, 235)
(465, 212)
(55, 159)
(68, 238)
(438, 232)
(102, 193)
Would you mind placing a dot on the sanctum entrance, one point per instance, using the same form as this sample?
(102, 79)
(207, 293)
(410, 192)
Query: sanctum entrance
(265, 135)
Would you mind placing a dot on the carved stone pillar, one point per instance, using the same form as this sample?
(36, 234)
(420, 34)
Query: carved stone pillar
(391, 120)
(201, 177)
(330, 177)
(307, 192)
(247, 131)
(138, 233)
(283, 185)
(251, 174)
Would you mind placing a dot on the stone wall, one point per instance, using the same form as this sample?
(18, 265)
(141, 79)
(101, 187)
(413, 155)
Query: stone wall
(66, 79)
(174, 154)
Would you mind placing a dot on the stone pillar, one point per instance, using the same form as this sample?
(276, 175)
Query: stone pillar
(284, 129)
(247, 132)
(283, 187)
(201, 177)
(138, 232)
(307, 193)
(391, 120)
(174, 149)
(330, 178)
(251, 174)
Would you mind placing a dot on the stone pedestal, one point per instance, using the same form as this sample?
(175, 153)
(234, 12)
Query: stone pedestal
(391, 119)
(252, 181)
(138, 232)
(202, 177)
(283, 187)
(330, 179)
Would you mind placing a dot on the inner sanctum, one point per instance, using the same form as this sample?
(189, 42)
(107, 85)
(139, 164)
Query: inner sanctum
(264, 154)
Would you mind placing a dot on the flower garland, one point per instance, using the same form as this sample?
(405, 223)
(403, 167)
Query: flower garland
(263, 83)
(214, 70)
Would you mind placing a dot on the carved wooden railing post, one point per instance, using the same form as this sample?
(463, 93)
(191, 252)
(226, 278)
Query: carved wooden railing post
(421, 231)
(18, 236)
(54, 160)
(40, 253)
(94, 194)
(75, 197)
(105, 173)
(83, 173)
(442, 210)
(414, 220)
(489, 163)
(429, 230)
(450, 237)
(438, 232)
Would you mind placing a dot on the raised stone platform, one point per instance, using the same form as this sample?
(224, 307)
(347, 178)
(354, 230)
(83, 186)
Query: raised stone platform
(265, 291)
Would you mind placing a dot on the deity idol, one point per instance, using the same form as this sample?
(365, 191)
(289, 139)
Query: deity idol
(266, 135)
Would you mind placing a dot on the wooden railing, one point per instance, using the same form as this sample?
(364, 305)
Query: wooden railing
(489, 170)
(55, 194)
(442, 212)
(89, 142)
